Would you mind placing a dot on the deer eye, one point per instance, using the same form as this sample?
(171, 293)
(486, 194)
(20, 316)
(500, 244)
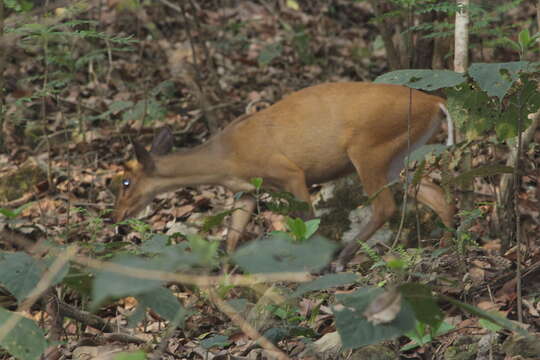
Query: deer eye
(126, 183)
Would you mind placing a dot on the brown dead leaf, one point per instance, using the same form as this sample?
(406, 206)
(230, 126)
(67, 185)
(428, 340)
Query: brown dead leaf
(488, 306)
(477, 275)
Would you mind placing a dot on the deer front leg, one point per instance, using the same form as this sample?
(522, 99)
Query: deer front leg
(243, 208)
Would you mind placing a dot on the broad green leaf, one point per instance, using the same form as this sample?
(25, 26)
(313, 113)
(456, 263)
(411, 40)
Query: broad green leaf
(423, 303)
(277, 253)
(325, 282)
(276, 334)
(206, 251)
(21, 273)
(157, 244)
(422, 79)
(114, 285)
(26, 341)
(216, 340)
(135, 355)
(356, 331)
(164, 303)
(297, 227)
(496, 79)
(136, 316)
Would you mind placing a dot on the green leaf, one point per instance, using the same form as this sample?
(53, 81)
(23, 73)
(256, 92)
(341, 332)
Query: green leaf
(211, 222)
(164, 303)
(297, 227)
(157, 244)
(497, 79)
(21, 273)
(216, 340)
(325, 282)
(512, 44)
(276, 334)
(277, 253)
(423, 303)
(311, 227)
(524, 38)
(135, 355)
(115, 285)
(257, 182)
(206, 251)
(12, 214)
(356, 331)
(26, 341)
(422, 79)
(486, 324)
(421, 337)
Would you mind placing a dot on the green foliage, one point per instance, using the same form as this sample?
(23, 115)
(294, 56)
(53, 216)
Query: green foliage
(279, 253)
(216, 340)
(204, 250)
(213, 221)
(164, 303)
(325, 282)
(422, 303)
(424, 334)
(21, 273)
(497, 79)
(356, 331)
(491, 99)
(301, 230)
(464, 237)
(257, 182)
(428, 80)
(133, 355)
(19, 5)
(26, 341)
(12, 214)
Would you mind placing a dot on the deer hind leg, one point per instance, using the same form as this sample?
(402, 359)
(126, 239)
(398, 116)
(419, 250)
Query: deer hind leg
(373, 174)
(433, 196)
(243, 208)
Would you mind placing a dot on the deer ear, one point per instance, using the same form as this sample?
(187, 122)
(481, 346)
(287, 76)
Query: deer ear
(163, 142)
(144, 157)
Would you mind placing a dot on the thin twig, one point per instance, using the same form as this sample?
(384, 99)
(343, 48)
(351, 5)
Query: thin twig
(192, 279)
(245, 326)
